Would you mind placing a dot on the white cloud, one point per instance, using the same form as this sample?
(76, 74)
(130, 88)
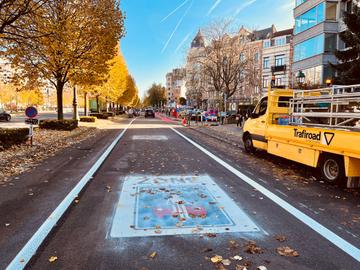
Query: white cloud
(217, 2)
(176, 27)
(243, 6)
(176, 9)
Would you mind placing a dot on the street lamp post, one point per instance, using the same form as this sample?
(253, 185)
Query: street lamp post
(300, 78)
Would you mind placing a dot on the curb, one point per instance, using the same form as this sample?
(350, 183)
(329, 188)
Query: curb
(228, 141)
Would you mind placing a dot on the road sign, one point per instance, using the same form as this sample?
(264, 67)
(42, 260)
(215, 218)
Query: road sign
(31, 112)
(31, 121)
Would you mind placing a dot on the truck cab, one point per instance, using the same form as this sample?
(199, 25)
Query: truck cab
(271, 109)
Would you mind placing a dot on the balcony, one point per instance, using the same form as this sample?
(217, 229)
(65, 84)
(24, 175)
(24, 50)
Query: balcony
(278, 68)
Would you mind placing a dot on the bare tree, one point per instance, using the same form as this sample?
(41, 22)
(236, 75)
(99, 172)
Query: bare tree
(224, 62)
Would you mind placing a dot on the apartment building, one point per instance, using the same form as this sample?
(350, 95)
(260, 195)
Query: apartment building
(277, 58)
(316, 37)
(175, 86)
(250, 89)
(196, 84)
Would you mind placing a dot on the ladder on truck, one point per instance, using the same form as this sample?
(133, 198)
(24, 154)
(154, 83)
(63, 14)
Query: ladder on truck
(333, 107)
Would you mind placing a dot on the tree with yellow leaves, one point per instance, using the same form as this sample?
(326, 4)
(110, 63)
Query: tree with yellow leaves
(130, 93)
(75, 39)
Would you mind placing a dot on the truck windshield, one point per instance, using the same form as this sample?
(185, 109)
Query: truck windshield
(261, 107)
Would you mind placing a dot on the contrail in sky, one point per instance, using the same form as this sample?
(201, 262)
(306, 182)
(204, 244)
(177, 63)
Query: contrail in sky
(177, 26)
(176, 9)
(243, 6)
(182, 42)
(214, 6)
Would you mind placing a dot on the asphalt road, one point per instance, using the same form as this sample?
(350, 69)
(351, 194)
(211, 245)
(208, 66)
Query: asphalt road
(158, 202)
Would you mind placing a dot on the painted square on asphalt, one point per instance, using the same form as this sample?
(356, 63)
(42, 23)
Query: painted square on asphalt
(173, 205)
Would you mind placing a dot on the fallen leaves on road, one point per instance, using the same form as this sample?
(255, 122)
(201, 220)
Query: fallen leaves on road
(233, 244)
(152, 255)
(252, 248)
(216, 259)
(240, 267)
(280, 238)
(236, 258)
(53, 259)
(7, 224)
(261, 268)
(287, 252)
(22, 158)
(226, 262)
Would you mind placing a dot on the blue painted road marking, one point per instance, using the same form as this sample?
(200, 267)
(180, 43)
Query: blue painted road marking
(172, 205)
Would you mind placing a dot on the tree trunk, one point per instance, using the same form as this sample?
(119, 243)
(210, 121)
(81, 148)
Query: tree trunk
(85, 104)
(97, 104)
(59, 94)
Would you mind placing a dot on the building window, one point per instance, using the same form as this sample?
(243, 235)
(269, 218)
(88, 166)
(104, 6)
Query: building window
(310, 18)
(309, 48)
(266, 82)
(267, 43)
(242, 57)
(331, 10)
(330, 43)
(280, 41)
(280, 81)
(256, 57)
(313, 76)
(280, 60)
(266, 62)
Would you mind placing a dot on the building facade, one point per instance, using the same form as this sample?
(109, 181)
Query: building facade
(175, 86)
(316, 37)
(277, 57)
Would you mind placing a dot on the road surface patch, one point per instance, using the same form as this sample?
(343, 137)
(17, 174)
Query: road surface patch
(173, 205)
(150, 137)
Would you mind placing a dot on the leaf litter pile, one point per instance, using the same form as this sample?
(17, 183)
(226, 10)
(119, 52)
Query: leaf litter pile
(47, 143)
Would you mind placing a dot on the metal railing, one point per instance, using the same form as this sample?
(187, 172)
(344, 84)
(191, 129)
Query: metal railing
(334, 107)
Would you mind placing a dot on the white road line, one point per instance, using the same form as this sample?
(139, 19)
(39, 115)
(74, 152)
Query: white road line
(30, 248)
(313, 224)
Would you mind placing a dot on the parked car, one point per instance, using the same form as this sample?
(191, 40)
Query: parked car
(149, 113)
(5, 116)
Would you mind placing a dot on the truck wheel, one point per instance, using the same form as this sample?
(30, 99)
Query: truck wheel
(248, 144)
(332, 169)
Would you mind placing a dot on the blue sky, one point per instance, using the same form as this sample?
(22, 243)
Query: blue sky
(160, 31)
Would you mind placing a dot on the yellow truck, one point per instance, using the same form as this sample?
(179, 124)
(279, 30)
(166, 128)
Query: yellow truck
(319, 128)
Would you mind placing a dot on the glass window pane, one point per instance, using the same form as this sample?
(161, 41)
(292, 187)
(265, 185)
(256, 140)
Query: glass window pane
(331, 11)
(266, 62)
(309, 48)
(310, 18)
(330, 43)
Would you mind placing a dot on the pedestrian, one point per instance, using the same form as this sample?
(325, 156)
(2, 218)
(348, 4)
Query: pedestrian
(238, 118)
(189, 117)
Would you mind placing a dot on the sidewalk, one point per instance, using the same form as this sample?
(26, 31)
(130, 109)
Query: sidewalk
(229, 133)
